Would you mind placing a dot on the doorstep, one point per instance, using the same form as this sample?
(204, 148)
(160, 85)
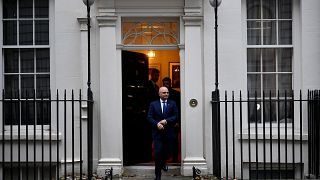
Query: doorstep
(141, 172)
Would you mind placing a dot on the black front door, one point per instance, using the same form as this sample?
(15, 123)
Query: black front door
(137, 140)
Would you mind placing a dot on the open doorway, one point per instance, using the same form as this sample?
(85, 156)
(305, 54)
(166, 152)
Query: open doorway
(136, 71)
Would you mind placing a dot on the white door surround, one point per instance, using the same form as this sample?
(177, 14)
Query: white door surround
(191, 62)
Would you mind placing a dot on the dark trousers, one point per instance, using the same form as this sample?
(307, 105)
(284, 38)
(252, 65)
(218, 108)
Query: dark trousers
(175, 151)
(163, 149)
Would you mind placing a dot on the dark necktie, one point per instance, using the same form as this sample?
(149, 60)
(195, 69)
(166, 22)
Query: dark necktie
(164, 107)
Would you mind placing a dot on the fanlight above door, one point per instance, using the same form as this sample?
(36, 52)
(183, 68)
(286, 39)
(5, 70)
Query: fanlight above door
(150, 33)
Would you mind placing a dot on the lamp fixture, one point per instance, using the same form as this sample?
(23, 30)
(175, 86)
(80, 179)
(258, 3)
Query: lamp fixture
(88, 1)
(213, 2)
(151, 54)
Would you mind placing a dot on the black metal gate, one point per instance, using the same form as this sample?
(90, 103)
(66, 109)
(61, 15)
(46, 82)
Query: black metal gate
(45, 137)
(314, 134)
(265, 136)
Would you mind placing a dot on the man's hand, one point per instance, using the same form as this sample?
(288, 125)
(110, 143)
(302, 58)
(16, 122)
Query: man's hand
(163, 122)
(160, 126)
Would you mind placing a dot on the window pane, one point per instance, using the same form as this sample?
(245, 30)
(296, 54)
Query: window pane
(269, 9)
(11, 60)
(25, 9)
(269, 32)
(254, 111)
(286, 111)
(172, 35)
(285, 60)
(27, 112)
(269, 84)
(270, 110)
(11, 84)
(254, 85)
(285, 32)
(27, 85)
(43, 60)
(27, 60)
(43, 112)
(253, 9)
(9, 32)
(254, 60)
(9, 9)
(43, 86)
(254, 32)
(11, 112)
(285, 84)
(269, 60)
(42, 32)
(41, 8)
(25, 32)
(285, 9)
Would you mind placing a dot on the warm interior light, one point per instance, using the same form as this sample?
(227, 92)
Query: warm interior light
(151, 54)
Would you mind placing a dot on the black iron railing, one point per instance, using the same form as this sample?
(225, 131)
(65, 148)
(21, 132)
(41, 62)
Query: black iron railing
(264, 136)
(44, 137)
(314, 133)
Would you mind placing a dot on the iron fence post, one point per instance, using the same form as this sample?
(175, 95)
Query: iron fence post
(216, 144)
(90, 133)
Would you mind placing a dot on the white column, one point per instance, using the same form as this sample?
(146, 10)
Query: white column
(110, 98)
(193, 89)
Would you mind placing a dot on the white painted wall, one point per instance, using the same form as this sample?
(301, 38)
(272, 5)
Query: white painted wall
(310, 36)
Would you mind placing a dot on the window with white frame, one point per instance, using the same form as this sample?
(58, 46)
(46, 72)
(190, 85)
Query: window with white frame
(269, 60)
(26, 61)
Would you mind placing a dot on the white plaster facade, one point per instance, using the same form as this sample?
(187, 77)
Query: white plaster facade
(68, 47)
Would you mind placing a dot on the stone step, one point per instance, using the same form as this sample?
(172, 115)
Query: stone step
(164, 177)
(148, 171)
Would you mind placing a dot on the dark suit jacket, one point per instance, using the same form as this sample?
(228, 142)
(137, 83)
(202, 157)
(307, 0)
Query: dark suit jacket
(153, 91)
(155, 115)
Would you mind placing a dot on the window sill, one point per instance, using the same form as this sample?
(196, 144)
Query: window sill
(260, 136)
(15, 136)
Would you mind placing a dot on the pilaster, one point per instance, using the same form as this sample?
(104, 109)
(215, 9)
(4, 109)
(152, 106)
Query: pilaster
(84, 52)
(110, 96)
(193, 87)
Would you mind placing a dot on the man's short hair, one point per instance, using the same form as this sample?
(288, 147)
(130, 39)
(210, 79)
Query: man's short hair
(154, 70)
(166, 79)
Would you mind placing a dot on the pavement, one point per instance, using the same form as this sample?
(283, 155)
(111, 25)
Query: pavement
(152, 178)
(147, 173)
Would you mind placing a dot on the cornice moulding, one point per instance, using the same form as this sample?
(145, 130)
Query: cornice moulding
(83, 24)
(192, 20)
(107, 21)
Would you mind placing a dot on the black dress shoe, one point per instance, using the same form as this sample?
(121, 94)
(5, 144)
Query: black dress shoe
(165, 168)
(157, 178)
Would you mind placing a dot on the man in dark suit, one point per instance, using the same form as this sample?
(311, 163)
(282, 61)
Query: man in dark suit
(175, 96)
(153, 88)
(162, 115)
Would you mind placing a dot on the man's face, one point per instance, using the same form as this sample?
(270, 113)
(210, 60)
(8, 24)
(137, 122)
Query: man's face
(166, 84)
(155, 77)
(163, 93)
